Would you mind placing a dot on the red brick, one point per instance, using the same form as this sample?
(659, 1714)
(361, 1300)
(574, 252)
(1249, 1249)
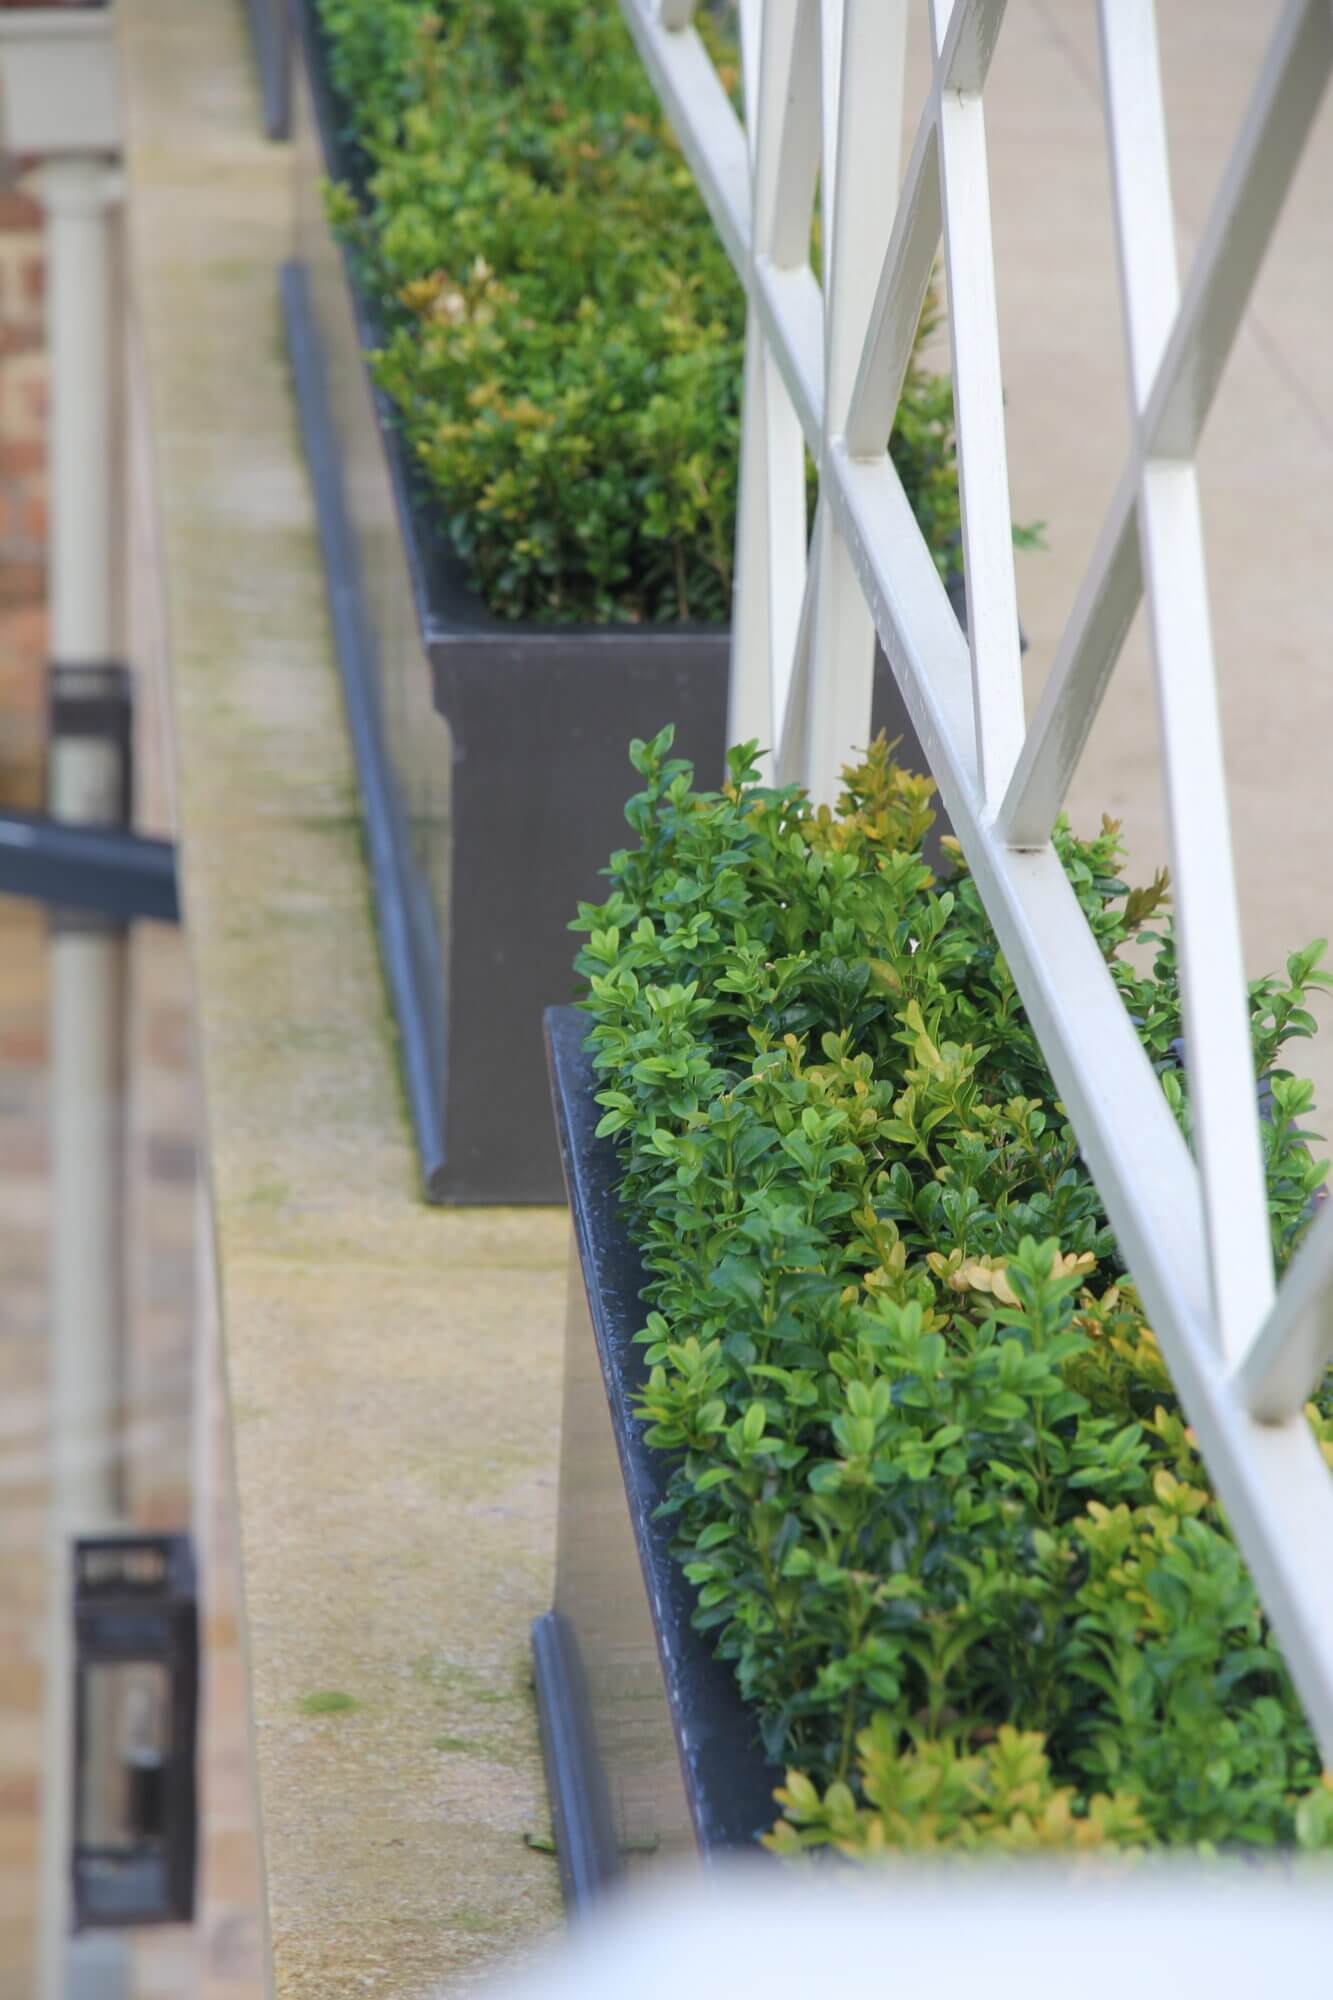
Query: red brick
(20, 1684)
(21, 583)
(19, 211)
(23, 395)
(25, 721)
(23, 699)
(23, 789)
(19, 1792)
(23, 631)
(23, 751)
(22, 519)
(160, 1513)
(21, 457)
(25, 1045)
(22, 282)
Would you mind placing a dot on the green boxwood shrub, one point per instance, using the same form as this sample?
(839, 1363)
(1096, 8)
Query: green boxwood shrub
(930, 1479)
(563, 331)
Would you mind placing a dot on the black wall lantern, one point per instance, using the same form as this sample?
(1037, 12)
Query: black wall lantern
(135, 1708)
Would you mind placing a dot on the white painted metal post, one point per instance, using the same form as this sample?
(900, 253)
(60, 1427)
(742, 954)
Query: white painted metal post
(863, 61)
(88, 970)
(771, 531)
(983, 466)
(1207, 924)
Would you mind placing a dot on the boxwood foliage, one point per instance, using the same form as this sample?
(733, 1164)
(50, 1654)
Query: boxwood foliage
(943, 1512)
(563, 331)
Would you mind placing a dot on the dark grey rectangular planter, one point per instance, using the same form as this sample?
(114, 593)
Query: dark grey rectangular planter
(650, 1752)
(492, 756)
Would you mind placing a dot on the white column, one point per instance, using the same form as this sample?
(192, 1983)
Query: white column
(79, 196)
(88, 967)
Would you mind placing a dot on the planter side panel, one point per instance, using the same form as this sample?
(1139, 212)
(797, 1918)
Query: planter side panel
(632, 1795)
(648, 1680)
(541, 726)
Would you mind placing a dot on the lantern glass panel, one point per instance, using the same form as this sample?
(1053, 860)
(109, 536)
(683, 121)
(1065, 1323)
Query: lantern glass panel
(127, 1740)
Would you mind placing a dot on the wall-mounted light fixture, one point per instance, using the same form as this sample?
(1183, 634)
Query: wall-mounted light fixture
(135, 1709)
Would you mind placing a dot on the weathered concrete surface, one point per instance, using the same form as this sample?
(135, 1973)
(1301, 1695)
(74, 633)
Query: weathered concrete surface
(392, 1369)
(1266, 467)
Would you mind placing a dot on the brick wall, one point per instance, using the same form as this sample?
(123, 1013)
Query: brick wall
(22, 484)
(22, 498)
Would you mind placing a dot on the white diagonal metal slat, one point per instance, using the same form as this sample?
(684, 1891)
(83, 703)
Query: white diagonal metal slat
(1207, 920)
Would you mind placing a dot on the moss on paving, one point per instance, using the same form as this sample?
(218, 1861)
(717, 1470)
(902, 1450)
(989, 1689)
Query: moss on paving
(327, 1701)
(392, 1369)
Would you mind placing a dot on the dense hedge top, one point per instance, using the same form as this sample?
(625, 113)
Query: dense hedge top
(563, 329)
(930, 1477)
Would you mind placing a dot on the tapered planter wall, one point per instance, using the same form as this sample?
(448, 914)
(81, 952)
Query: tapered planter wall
(270, 32)
(492, 756)
(650, 1753)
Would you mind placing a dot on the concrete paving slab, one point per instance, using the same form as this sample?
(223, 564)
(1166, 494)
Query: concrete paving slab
(392, 1370)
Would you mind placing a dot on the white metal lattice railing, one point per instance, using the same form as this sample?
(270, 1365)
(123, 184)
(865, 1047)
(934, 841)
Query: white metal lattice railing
(823, 92)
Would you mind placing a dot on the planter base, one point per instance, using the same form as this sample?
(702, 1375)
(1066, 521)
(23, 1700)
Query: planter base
(581, 1819)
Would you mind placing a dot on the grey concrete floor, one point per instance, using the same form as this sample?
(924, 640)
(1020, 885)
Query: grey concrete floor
(1266, 469)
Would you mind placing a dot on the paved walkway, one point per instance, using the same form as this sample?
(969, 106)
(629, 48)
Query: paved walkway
(393, 1370)
(1267, 464)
